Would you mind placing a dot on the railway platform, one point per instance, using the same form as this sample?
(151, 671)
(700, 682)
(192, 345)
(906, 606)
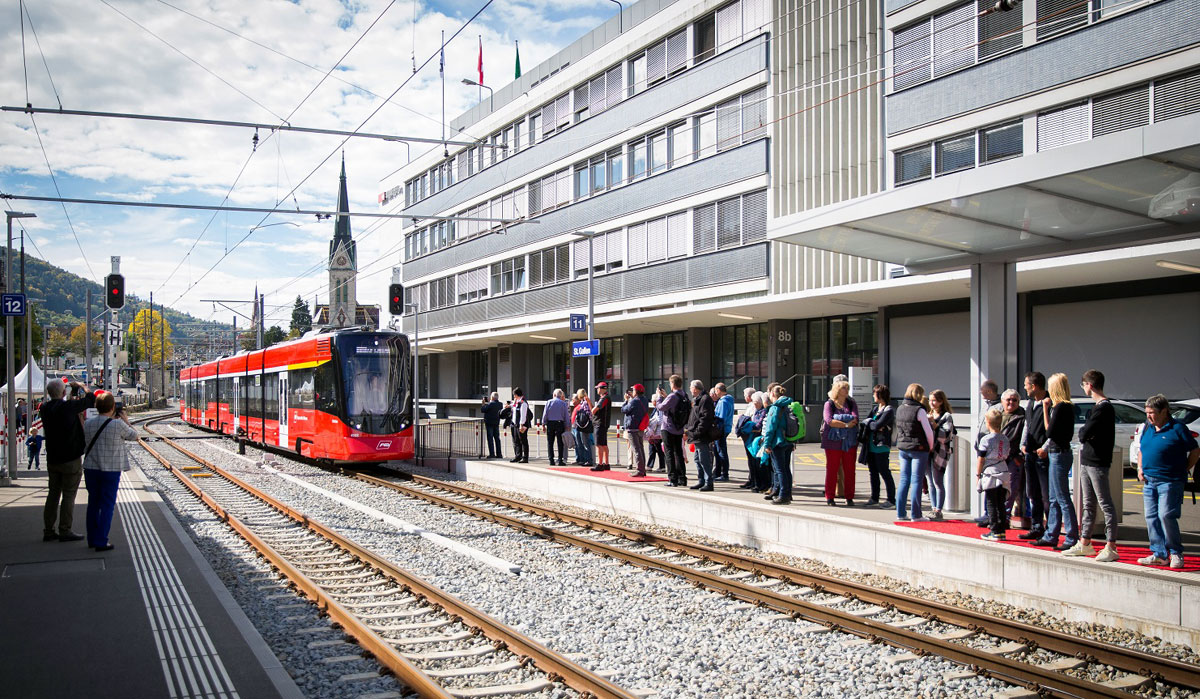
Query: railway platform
(148, 619)
(943, 555)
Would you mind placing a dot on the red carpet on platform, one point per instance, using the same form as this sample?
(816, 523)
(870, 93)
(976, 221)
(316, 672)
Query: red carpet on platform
(1127, 554)
(616, 473)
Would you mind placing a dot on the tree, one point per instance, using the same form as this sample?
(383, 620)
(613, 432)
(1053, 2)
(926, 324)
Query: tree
(151, 323)
(273, 336)
(60, 344)
(75, 341)
(301, 317)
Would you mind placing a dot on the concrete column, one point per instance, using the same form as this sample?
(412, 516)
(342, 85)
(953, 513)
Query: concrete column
(699, 356)
(993, 356)
(632, 357)
(883, 341)
(510, 369)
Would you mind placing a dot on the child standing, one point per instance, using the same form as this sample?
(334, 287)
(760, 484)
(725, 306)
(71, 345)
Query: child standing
(34, 445)
(993, 474)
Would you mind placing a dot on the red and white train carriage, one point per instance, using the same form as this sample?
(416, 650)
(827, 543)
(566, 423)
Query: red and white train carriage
(338, 396)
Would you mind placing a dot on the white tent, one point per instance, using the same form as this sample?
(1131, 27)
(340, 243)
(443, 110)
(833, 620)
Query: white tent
(22, 380)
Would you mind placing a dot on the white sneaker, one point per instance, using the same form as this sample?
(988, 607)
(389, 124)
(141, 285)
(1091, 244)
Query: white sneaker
(1108, 555)
(1153, 560)
(1079, 549)
(1176, 561)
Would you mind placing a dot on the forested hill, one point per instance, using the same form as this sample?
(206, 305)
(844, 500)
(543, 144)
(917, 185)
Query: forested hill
(65, 297)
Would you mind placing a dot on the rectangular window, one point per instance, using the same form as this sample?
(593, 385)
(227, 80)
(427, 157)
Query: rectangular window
(599, 177)
(706, 134)
(911, 52)
(614, 86)
(1176, 96)
(1001, 142)
(954, 39)
(597, 95)
(754, 217)
(729, 26)
(729, 223)
(1060, 127)
(563, 108)
(1058, 16)
(535, 128)
(1122, 110)
(677, 53)
(704, 231)
(637, 75)
(754, 114)
(658, 153)
(616, 167)
(581, 102)
(999, 32)
(637, 159)
(955, 154)
(656, 240)
(913, 164)
(681, 144)
(729, 127)
(677, 235)
(637, 244)
(611, 365)
(563, 185)
(582, 188)
(656, 63)
(704, 38)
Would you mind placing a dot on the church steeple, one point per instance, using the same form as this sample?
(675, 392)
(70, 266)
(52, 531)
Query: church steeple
(343, 263)
(341, 229)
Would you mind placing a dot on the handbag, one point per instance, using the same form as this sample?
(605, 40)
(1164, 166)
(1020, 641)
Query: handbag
(568, 440)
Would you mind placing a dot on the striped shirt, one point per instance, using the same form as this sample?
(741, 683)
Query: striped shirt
(108, 453)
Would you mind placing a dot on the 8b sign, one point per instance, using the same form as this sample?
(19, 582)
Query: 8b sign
(12, 304)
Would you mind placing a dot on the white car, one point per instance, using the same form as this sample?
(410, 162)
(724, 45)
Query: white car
(1185, 411)
(1129, 417)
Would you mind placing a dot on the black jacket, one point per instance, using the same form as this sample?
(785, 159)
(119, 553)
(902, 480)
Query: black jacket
(910, 434)
(1013, 431)
(880, 424)
(1062, 427)
(1098, 435)
(491, 413)
(63, 429)
(702, 422)
(601, 413)
(1035, 433)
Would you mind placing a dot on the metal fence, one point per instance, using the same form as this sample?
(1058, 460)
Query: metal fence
(441, 441)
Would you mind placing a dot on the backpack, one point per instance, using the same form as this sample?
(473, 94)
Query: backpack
(681, 411)
(794, 428)
(583, 420)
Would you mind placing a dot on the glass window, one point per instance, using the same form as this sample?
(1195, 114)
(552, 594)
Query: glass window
(955, 153)
(681, 144)
(582, 188)
(658, 153)
(704, 38)
(616, 167)
(612, 367)
(740, 356)
(478, 375)
(913, 164)
(598, 175)
(637, 75)
(535, 128)
(664, 354)
(556, 367)
(637, 159)
(706, 134)
(1001, 142)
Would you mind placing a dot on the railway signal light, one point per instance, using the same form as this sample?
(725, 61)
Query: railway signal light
(114, 297)
(396, 299)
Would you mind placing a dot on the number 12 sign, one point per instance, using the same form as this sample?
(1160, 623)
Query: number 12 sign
(12, 304)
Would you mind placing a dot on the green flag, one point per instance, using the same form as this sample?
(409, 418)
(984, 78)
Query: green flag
(518, 68)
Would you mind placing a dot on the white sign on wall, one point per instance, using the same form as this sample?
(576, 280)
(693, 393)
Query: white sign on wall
(862, 380)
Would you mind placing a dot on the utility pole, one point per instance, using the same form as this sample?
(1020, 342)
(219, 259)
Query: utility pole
(150, 349)
(87, 339)
(9, 410)
(162, 344)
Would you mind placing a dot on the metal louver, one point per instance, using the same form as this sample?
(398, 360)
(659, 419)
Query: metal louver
(704, 229)
(1177, 96)
(677, 45)
(581, 96)
(998, 31)
(656, 62)
(754, 114)
(754, 217)
(656, 240)
(1057, 16)
(911, 53)
(637, 245)
(954, 39)
(677, 229)
(729, 223)
(729, 127)
(598, 95)
(1060, 127)
(1123, 110)
(729, 25)
(614, 86)
(562, 264)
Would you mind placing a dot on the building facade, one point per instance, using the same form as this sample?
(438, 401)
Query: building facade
(694, 144)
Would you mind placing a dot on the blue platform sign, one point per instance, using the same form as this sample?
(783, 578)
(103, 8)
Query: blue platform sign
(12, 304)
(578, 323)
(585, 348)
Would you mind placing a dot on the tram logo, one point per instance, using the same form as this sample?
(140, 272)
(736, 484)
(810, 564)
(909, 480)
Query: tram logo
(383, 445)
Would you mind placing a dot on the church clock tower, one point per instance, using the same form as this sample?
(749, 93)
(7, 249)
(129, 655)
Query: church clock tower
(343, 264)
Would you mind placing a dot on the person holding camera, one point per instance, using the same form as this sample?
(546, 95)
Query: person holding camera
(62, 422)
(104, 460)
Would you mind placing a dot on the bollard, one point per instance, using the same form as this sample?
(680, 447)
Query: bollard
(241, 446)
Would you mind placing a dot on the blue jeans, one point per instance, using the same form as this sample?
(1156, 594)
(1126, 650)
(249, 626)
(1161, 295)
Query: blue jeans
(1163, 501)
(781, 470)
(102, 500)
(704, 463)
(1062, 510)
(493, 440)
(583, 445)
(913, 467)
(937, 487)
(720, 459)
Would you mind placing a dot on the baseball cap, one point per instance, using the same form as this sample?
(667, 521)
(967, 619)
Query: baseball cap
(639, 388)
(602, 384)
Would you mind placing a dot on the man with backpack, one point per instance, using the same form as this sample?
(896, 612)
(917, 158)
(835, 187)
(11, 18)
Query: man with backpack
(701, 430)
(780, 431)
(634, 420)
(675, 409)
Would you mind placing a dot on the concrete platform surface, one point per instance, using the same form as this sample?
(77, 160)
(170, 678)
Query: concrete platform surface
(1156, 602)
(147, 619)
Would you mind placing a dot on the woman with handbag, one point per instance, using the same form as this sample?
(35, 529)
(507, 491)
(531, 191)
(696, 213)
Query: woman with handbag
(942, 454)
(839, 439)
(103, 463)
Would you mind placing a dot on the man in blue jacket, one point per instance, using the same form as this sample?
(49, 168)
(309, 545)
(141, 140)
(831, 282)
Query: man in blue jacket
(491, 421)
(633, 410)
(724, 413)
(776, 445)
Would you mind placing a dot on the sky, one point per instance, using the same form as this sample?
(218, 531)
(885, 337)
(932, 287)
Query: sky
(261, 61)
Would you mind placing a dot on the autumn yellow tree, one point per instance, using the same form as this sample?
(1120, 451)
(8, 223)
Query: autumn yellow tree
(75, 342)
(148, 330)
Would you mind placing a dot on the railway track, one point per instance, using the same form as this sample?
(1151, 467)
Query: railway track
(1047, 662)
(410, 627)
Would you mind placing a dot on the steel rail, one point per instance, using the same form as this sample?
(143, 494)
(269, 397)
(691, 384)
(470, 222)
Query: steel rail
(1120, 657)
(557, 667)
(1023, 674)
(371, 642)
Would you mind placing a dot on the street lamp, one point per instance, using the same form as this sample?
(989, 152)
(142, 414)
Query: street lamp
(590, 236)
(491, 94)
(9, 408)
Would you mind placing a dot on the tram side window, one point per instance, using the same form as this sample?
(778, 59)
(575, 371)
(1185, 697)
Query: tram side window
(301, 383)
(255, 396)
(325, 389)
(243, 397)
(271, 396)
(210, 386)
(226, 388)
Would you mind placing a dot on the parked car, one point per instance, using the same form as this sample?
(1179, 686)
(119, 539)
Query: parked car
(1185, 411)
(1129, 417)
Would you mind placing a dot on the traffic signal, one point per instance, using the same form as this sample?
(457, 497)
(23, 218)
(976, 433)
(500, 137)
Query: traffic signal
(114, 296)
(396, 299)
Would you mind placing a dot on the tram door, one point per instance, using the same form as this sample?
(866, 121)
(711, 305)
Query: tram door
(283, 409)
(235, 404)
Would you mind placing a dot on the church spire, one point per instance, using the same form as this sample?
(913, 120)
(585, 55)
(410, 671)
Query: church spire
(342, 229)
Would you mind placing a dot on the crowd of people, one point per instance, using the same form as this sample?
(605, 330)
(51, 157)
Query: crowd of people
(1022, 453)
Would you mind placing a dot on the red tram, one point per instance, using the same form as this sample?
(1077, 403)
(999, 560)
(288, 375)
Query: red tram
(338, 396)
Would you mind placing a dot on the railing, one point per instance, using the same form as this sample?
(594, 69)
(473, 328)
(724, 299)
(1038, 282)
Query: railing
(442, 441)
